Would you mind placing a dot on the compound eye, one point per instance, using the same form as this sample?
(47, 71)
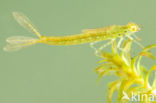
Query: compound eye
(133, 28)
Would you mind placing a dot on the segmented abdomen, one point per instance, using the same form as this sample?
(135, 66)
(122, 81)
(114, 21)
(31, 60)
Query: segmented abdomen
(77, 39)
(87, 36)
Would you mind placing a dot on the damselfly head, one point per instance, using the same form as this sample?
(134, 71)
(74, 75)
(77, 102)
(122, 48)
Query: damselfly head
(133, 27)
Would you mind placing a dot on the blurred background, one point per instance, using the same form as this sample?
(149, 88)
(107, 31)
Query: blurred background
(64, 74)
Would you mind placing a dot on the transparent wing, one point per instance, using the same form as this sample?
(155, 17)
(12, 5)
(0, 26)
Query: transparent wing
(19, 39)
(17, 42)
(25, 22)
(89, 31)
(103, 29)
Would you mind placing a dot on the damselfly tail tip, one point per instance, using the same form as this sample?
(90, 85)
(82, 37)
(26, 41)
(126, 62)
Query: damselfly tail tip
(10, 48)
(14, 13)
(18, 42)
